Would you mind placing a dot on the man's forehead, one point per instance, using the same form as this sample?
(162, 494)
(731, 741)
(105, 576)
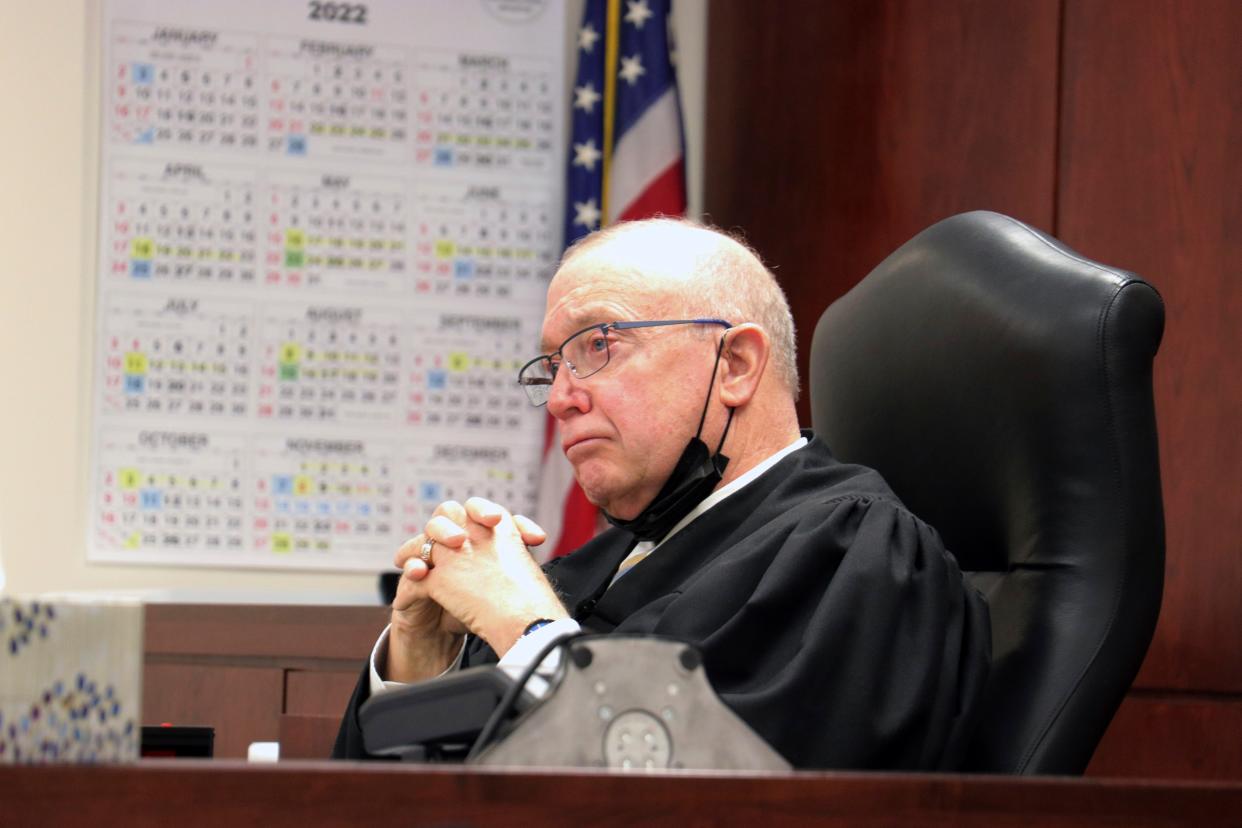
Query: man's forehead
(589, 292)
(569, 319)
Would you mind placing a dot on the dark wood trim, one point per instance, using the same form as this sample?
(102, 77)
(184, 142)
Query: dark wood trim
(1157, 735)
(190, 793)
(328, 632)
(307, 737)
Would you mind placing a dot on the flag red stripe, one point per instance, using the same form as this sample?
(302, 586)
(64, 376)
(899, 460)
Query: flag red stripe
(666, 194)
(644, 174)
(578, 526)
(549, 436)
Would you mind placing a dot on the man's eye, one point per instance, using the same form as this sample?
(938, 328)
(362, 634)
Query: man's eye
(597, 343)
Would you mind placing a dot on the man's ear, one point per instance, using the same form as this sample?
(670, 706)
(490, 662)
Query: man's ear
(742, 363)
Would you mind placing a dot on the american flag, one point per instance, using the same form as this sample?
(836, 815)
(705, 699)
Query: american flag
(626, 161)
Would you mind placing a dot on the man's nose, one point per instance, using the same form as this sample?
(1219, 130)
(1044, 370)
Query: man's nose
(567, 395)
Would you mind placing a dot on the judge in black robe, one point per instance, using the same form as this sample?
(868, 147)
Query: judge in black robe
(830, 619)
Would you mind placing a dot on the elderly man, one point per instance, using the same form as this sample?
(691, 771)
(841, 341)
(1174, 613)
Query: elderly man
(830, 619)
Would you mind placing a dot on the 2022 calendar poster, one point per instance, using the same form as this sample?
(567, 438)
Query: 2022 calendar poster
(325, 236)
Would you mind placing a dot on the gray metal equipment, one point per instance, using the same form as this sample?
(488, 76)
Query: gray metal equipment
(633, 703)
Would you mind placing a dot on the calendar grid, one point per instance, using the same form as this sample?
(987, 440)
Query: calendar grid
(323, 254)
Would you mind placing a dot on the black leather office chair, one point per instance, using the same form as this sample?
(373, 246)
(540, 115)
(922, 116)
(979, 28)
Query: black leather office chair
(1002, 385)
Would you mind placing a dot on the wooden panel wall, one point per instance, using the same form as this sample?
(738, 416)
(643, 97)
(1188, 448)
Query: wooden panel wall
(1151, 178)
(240, 704)
(838, 130)
(256, 673)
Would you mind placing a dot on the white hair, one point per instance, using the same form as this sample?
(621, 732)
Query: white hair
(711, 273)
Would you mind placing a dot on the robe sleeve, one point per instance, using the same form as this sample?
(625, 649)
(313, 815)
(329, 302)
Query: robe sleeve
(349, 744)
(846, 637)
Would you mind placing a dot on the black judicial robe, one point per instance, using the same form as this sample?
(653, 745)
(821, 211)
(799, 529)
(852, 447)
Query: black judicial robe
(832, 620)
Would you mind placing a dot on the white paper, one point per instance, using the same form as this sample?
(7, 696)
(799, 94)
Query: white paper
(324, 246)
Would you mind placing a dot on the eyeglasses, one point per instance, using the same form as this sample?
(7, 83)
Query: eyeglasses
(585, 353)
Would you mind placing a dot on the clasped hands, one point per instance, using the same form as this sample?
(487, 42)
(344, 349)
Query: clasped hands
(480, 578)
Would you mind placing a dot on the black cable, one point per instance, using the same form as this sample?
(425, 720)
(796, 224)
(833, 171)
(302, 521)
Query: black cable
(509, 701)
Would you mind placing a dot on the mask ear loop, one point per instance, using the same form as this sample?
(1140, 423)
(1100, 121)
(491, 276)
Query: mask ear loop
(703, 416)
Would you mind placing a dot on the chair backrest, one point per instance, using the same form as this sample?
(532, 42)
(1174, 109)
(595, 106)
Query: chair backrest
(1001, 383)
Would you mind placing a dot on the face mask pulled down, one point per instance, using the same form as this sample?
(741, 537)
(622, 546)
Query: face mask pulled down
(695, 476)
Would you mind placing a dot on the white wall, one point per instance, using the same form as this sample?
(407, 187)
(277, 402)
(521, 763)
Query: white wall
(46, 291)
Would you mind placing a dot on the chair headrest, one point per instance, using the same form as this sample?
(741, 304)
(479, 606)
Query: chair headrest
(982, 359)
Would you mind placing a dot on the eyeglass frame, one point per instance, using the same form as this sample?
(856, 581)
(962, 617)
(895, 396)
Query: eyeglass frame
(603, 328)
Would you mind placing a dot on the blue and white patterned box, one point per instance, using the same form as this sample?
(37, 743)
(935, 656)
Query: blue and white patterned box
(70, 680)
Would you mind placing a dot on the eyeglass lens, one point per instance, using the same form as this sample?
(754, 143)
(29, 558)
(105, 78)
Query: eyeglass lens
(584, 354)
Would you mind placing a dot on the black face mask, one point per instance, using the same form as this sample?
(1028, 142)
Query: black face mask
(695, 476)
